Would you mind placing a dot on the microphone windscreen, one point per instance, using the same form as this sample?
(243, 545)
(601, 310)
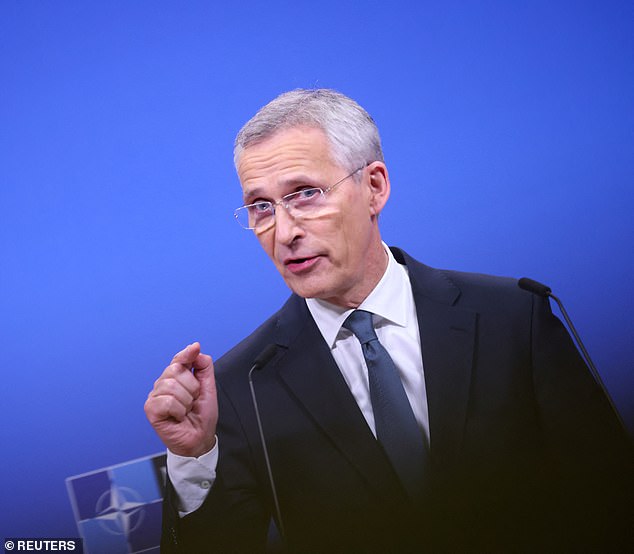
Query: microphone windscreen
(534, 286)
(265, 356)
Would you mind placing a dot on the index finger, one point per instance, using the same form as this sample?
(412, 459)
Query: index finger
(188, 355)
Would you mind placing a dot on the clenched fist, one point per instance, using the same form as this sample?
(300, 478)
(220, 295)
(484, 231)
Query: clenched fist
(183, 407)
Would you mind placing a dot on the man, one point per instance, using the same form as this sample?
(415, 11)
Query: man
(471, 424)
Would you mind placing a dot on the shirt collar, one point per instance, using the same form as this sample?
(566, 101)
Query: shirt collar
(386, 300)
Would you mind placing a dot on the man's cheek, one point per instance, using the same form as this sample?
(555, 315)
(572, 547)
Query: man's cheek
(327, 213)
(267, 243)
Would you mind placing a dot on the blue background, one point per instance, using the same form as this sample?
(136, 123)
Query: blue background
(508, 128)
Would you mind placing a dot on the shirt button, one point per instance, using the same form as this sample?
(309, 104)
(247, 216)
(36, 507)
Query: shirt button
(205, 484)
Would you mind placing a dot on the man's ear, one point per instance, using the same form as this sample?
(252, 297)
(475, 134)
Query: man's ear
(379, 184)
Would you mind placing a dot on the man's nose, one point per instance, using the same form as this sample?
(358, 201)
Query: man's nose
(287, 228)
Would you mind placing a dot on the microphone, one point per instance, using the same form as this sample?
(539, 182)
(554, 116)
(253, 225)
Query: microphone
(535, 287)
(545, 291)
(264, 358)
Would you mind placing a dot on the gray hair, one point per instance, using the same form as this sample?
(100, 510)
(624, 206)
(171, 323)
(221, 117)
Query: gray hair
(352, 134)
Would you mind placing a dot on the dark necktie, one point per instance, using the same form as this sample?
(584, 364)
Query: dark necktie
(396, 427)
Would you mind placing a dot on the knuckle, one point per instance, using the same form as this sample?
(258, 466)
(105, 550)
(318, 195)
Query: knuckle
(176, 369)
(169, 385)
(174, 408)
(152, 410)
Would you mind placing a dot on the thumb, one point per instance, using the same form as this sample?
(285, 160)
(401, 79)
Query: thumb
(203, 366)
(206, 405)
(204, 371)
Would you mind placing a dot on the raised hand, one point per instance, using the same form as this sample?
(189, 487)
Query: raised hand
(182, 407)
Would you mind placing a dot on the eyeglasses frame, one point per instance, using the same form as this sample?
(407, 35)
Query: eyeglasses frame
(284, 201)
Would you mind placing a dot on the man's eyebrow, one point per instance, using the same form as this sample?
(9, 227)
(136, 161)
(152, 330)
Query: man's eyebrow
(302, 180)
(251, 194)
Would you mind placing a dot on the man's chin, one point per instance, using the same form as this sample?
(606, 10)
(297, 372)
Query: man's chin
(306, 288)
(304, 292)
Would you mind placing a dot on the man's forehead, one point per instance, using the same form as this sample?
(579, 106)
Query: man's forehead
(294, 155)
(280, 184)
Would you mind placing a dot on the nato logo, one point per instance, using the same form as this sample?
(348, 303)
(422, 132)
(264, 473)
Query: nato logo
(118, 508)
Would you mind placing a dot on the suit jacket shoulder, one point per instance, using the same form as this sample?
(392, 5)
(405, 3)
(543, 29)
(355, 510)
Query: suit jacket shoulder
(280, 329)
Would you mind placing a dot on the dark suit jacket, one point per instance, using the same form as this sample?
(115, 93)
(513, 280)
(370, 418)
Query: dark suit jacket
(526, 454)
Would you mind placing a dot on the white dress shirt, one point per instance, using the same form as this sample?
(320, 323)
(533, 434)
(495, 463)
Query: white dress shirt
(396, 325)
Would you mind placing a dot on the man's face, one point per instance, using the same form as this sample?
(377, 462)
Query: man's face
(335, 253)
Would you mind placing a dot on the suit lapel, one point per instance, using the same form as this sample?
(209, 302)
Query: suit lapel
(447, 339)
(447, 335)
(309, 371)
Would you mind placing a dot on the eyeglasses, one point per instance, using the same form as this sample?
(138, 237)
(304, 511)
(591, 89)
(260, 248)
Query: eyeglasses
(261, 215)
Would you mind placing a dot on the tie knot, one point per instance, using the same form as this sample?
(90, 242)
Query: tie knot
(359, 323)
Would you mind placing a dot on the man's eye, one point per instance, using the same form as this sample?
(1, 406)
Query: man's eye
(260, 207)
(307, 194)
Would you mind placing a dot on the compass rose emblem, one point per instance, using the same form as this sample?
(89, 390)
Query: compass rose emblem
(120, 510)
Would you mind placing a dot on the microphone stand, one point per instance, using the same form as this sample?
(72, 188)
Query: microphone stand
(266, 355)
